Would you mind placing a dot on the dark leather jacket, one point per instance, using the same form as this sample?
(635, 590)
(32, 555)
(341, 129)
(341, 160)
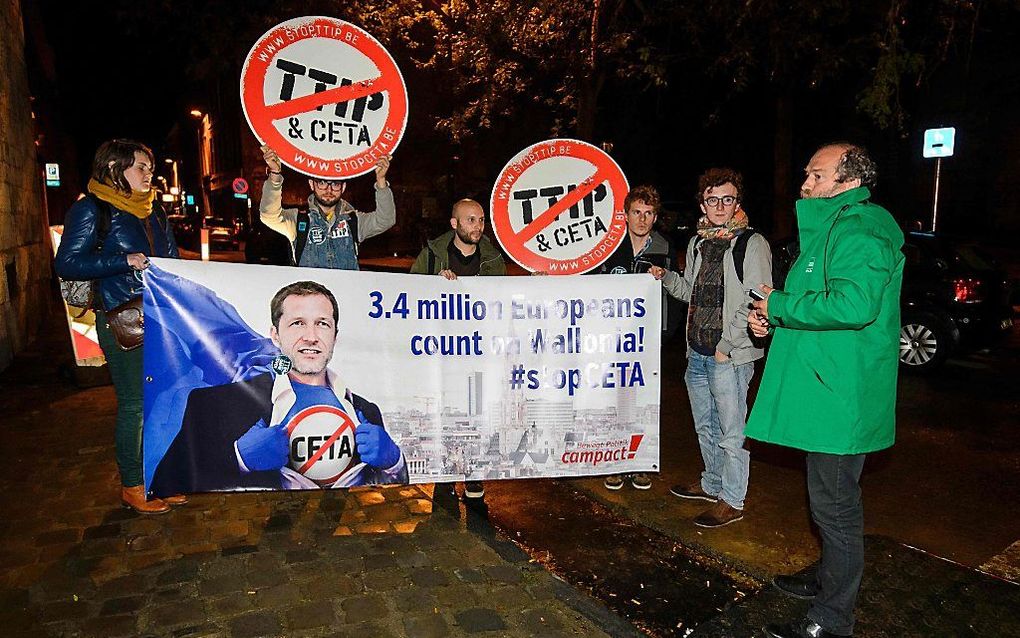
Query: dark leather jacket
(78, 260)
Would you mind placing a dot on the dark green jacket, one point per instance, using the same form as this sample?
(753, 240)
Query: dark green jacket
(492, 260)
(830, 377)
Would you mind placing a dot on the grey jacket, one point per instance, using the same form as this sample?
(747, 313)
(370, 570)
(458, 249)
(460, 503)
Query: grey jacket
(736, 339)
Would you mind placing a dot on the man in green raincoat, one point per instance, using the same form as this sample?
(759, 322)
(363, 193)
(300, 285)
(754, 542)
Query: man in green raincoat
(829, 386)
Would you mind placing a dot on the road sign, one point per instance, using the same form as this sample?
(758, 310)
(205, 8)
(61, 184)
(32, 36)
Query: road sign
(53, 172)
(325, 95)
(557, 207)
(239, 185)
(939, 142)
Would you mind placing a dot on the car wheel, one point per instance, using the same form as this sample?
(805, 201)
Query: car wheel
(924, 343)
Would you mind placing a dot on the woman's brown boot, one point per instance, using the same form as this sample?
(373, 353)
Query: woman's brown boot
(134, 497)
(176, 499)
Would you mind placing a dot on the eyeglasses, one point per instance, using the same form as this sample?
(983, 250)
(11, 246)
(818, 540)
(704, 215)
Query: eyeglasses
(727, 200)
(329, 183)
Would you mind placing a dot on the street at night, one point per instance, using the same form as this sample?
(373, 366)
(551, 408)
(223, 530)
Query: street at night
(614, 318)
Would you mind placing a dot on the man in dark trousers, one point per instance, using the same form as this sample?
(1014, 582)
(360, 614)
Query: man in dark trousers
(462, 251)
(829, 386)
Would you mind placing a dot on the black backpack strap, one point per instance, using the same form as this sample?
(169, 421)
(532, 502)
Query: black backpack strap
(432, 260)
(739, 252)
(303, 221)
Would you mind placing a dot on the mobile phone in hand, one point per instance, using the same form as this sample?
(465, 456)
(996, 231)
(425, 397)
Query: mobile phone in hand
(754, 293)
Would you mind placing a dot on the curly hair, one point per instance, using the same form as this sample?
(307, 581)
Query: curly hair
(302, 289)
(113, 157)
(715, 177)
(644, 193)
(855, 163)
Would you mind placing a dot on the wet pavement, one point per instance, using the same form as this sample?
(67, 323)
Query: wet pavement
(395, 561)
(545, 558)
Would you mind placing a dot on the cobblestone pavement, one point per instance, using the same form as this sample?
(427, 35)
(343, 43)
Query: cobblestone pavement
(366, 563)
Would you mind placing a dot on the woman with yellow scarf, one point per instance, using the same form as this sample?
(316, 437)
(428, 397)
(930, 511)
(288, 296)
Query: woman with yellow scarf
(108, 238)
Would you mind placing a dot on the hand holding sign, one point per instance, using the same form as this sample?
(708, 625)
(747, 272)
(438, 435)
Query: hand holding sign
(382, 166)
(271, 158)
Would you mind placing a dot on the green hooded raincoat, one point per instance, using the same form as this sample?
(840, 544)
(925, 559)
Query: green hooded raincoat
(830, 377)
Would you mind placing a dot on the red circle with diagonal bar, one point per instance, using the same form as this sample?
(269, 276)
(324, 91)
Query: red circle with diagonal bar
(557, 207)
(325, 95)
(321, 443)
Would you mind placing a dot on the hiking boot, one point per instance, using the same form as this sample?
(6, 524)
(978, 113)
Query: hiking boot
(641, 481)
(613, 482)
(474, 489)
(722, 513)
(692, 492)
(134, 498)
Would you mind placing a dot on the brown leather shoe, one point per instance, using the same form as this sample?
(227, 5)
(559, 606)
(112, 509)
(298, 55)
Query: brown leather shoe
(692, 492)
(722, 513)
(134, 497)
(176, 499)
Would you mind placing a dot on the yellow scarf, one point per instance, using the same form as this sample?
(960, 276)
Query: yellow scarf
(137, 203)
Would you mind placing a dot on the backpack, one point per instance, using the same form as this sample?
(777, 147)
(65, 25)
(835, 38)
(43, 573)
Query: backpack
(81, 293)
(304, 225)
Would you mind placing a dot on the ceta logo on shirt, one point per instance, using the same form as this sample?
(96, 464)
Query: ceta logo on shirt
(321, 443)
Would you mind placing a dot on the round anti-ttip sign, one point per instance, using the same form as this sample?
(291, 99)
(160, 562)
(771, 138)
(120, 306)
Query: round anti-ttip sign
(325, 95)
(321, 443)
(557, 207)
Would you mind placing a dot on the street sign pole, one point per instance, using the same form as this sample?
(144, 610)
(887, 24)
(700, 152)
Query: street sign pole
(938, 143)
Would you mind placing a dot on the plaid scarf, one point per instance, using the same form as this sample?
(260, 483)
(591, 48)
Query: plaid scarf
(705, 314)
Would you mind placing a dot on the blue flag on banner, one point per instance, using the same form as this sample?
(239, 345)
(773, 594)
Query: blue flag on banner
(193, 340)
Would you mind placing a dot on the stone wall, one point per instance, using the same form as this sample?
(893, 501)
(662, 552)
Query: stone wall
(25, 261)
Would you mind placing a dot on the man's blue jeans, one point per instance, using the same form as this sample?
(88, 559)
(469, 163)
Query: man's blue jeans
(718, 394)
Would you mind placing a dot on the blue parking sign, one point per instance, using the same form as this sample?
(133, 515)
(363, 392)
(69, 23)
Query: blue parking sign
(938, 142)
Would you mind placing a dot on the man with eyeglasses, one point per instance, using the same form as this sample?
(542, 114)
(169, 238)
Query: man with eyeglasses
(724, 259)
(328, 233)
(641, 249)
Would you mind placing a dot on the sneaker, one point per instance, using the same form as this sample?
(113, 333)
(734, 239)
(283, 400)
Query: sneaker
(613, 482)
(640, 481)
(722, 513)
(474, 489)
(693, 492)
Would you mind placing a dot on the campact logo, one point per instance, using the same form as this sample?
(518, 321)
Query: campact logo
(603, 452)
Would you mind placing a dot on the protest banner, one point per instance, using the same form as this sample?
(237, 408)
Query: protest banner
(480, 378)
(81, 323)
(325, 95)
(557, 207)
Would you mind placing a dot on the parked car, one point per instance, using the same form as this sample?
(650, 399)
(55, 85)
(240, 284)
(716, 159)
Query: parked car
(954, 299)
(223, 234)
